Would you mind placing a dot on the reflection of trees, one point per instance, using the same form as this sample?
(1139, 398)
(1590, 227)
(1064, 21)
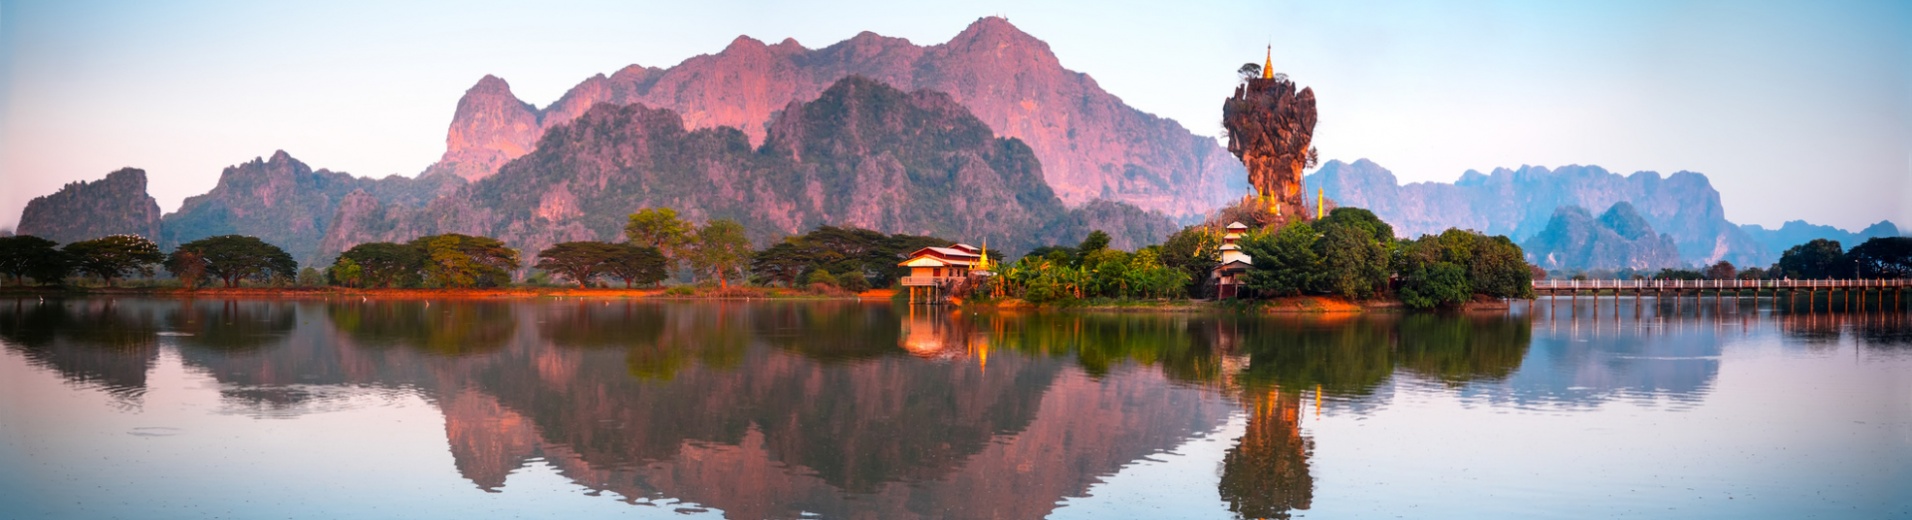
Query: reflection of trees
(1347, 358)
(87, 341)
(232, 325)
(830, 332)
(449, 328)
(1182, 347)
(1463, 349)
(1265, 475)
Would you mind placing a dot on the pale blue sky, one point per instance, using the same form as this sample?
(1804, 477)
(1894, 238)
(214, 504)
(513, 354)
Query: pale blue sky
(1796, 110)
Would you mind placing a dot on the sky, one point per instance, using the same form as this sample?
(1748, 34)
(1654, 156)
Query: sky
(1795, 110)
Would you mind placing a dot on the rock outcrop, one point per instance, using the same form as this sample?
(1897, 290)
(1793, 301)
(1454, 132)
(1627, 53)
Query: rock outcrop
(288, 204)
(1270, 126)
(1090, 143)
(1795, 232)
(117, 204)
(1619, 239)
(1520, 203)
(863, 154)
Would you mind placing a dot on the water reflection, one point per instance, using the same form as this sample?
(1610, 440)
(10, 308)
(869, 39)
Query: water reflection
(851, 410)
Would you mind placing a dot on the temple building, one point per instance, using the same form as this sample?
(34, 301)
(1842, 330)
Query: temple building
(1227, 277)
(934, 268)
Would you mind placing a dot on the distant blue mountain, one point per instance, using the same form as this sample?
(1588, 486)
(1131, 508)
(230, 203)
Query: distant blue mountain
(1797, 232)
(1520, 203)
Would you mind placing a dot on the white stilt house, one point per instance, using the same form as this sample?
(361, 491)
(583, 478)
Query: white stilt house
(934, 268)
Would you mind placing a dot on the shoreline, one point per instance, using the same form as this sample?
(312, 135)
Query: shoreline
(1275, 306)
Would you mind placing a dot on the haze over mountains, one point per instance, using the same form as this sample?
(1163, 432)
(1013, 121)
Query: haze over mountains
(986, 136)
(1522, 204)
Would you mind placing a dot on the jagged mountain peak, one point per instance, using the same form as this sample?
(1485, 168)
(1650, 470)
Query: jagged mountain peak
(1091, 144)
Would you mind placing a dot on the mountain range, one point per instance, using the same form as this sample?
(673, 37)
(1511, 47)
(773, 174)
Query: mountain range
(862, 154)
(1522, 203)
(1620, 238)
(1092, 145)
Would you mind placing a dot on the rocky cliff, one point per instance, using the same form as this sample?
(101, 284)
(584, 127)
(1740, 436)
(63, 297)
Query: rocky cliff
(1521, 203)
(1620, 238)
(1090, 143)
(117, 204)
(1792, 233)
(288, 204)
(862, 154)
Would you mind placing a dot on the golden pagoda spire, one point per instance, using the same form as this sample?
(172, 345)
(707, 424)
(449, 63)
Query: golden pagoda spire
(1268, 66)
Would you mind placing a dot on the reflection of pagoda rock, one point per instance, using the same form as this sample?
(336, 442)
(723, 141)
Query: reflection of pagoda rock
(1266, 474)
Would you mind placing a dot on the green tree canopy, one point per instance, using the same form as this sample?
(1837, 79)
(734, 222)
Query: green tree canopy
(636, 264)
(113, 257)
(721, 250)
(1193, 251)
(28, 256)
(1883, 257)
(384, 264)
(1285, 262)
(579, 261)
(660, 228)
(1354, 262)
(455, 260)
(1819, 258)
(232, 258)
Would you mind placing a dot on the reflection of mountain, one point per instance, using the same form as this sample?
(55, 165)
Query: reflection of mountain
(1585, 366)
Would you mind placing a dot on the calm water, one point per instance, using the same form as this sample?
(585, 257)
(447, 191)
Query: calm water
(309, 409)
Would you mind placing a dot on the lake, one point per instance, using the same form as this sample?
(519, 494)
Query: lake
(350, 408)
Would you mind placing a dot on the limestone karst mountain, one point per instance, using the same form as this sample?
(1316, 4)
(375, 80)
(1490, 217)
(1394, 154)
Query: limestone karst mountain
(1091, 144)
(862, 154)
(1270, 123)
(117, 204)
(1619, 239)
(288, 204)
(1520, 203)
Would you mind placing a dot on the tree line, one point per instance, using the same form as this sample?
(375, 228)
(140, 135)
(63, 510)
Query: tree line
(1348, 253)
(1817, 259)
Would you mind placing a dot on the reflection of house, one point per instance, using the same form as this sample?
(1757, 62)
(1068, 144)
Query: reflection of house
(934, 268)
(1227, 277)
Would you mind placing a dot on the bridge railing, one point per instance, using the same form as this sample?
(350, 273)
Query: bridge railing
(1597, 285)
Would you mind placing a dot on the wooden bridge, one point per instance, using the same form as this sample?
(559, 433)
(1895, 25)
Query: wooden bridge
(1876, 290)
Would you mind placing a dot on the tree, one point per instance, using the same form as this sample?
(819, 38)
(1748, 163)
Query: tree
(853, 281)
(660, 228)
(1248, 71)
(636, 264)
(232, 258)
(383, 264)
(1883, 257)
(721, 250)
(455, 260)
(1499, 268)
(820, 277)
(1096, 241)
(1353, 263)
(1753, 273)
(1723, 270)
(1819, 258)
(345, 272)
(28, 256)
(310, 277)
(579, 261)
(188, 266)
(1193, 252)
(113, 257)
(1285, 262)
(1435, 285)
(784, 262)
